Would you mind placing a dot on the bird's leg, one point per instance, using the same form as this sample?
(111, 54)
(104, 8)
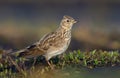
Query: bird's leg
(34, 61)
(49, 64)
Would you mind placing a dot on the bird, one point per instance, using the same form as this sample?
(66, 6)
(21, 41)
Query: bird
(51, 44)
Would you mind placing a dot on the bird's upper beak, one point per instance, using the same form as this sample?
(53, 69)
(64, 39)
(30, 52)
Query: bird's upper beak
(75, 21)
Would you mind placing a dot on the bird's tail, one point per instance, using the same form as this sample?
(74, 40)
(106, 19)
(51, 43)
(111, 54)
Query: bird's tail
(28, 52)
(19, 53)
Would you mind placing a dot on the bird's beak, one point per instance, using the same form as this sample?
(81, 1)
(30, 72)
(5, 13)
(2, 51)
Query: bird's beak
(75, 21)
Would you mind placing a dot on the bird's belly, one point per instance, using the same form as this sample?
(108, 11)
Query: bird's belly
(53, 53)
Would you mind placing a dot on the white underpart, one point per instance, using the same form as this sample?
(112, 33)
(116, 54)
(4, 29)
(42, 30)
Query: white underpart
(51, 54)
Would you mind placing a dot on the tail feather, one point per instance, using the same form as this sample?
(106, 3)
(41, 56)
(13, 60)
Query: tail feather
(18, 53)
(30, 51)
(27, 52)
(22, 53)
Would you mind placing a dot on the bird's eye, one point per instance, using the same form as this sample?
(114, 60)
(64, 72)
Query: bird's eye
(68, 21)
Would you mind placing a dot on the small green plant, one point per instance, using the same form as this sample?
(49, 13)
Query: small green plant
(17, 67)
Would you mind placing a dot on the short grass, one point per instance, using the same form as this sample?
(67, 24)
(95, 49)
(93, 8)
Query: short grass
(20, 67)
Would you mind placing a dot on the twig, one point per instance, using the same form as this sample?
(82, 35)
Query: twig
(16, 65)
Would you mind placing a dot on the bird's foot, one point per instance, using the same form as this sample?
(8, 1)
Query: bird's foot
(51, 65)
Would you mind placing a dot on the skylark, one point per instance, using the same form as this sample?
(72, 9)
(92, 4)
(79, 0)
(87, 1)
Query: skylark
(53, 43)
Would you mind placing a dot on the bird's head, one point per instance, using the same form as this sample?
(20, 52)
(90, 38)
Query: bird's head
(67, 22)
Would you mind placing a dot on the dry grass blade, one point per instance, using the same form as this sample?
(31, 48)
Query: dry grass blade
(16, 65)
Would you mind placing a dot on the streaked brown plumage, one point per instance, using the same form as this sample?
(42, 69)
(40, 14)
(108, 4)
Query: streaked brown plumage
(53, 43)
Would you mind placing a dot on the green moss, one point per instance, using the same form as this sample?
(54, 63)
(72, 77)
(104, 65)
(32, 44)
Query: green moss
(90, 59)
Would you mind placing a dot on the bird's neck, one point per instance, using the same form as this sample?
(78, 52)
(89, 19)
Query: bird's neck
(64, 28)
(64, 31)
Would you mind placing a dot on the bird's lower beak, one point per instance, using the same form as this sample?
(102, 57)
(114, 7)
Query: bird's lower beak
(75, 21)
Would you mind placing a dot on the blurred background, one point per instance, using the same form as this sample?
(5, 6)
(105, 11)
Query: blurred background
(23, 22)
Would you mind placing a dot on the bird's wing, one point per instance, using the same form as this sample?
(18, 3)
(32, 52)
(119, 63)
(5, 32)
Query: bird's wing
(38, 48)
(47, 41)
